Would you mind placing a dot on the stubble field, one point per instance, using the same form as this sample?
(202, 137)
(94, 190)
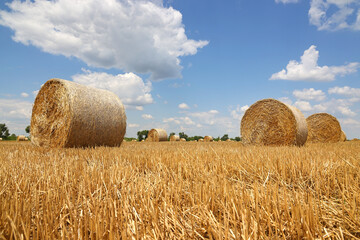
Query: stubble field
(181, 190)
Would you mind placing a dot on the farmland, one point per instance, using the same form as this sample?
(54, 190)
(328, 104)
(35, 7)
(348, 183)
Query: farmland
(182, 190)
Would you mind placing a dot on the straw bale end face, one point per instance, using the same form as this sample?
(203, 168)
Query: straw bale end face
(271, 122)
(67, 114)
(174, 138)
(323, 128)
(157, 135)
(208, 139)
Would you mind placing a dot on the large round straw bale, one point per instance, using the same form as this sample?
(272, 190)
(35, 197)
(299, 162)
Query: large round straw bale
(324, 128)
(343, 136)
(174, 138)
(21, 138)
(67, 114)
(271, 122)
(157, 135)
(208, 139)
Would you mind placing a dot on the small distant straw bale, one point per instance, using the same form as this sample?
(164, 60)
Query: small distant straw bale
(157, 135)
(67, 114)
(182, 140)
(208, 139)
(228, 140)
(323, 128)
(271, 122)
(134, 140)
(21, 138)
(201, 140)
(0, 139)
(174, 138)
(343, 136)
(26, 139)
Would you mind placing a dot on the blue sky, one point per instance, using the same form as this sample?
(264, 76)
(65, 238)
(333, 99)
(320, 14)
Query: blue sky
(185, 65)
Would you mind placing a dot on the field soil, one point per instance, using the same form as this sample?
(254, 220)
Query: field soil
(180, 190)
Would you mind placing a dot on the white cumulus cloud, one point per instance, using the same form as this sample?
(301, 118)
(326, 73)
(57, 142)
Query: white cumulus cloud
(179, 120)
(346, 90)
(286, 1)
(133, 125)
(15, 109)
(183, 106)
(335, 14)
(24, 94)
(238, 113)
(130, 88)
(309, 94)
(147, 116)
(303, 106)
(308, 70)
(133, 35)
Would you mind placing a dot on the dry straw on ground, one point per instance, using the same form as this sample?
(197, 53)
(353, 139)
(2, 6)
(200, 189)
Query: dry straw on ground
(157, 135)
(174, 138)
(343, 136)
(67, 114)
(324, 128)
(21, 138)
(271, 122)
(208, 139)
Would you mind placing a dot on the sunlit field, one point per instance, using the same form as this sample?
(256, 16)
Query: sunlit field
(184, 190)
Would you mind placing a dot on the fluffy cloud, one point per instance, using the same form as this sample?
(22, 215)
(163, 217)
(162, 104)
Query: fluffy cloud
(15, 109)
(345, 110)
(238, 113)
(335, 14)
(133, 125)
(309, 94)
(130, 88)
(286, 1)
(179, 120)
(347, 91)
(303, 105)
(308, 70)
(147, 116)
(133, 35)
(183, 106)
(24, 94)
(350, 122)
(205, 117)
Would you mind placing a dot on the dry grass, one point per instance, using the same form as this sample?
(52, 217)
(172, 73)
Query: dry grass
(180, 191)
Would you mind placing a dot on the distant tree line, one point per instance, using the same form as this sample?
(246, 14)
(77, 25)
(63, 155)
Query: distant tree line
(5, 133)
(142, 135)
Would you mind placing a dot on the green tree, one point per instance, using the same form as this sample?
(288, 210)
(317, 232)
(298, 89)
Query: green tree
(27, 129)
(183, 135)
(4, 131)
(225, 137)
(142, 135)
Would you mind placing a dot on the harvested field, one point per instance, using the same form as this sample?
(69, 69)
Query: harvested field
(180, 191)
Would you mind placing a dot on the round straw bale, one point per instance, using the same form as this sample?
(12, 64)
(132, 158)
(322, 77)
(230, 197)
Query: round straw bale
(157, 135)
(208, 139)
(182, 140)
(343, 136)
(201, 140)
(26, 139)
(271, 122)
(228, 140)
(21, 138)
(0, 139)
(67, 114)
(324, 128)
(174, 138)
